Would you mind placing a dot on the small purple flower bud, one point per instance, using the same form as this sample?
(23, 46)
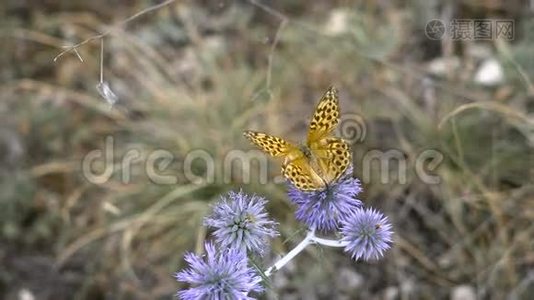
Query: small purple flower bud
(368, 234)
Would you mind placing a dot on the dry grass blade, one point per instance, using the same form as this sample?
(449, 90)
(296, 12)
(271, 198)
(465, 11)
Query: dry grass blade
(493, 106)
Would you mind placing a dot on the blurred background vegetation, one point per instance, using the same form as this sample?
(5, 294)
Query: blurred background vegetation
(193, 74)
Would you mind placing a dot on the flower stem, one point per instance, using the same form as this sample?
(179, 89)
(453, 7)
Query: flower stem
(288, 257)
(330, 243)
(308, 240)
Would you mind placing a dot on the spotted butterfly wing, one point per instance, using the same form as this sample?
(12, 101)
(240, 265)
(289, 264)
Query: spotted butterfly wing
(325, 158)
(295, 167)
(333, 158)
(273, 145)
(332, 154)
(302, 175)
(325, 118)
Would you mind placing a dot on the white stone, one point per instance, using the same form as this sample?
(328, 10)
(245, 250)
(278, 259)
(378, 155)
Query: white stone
(337, 22)
(25, 294)
(441, 66)
(391, 293)
(490, 73)
(463, 292)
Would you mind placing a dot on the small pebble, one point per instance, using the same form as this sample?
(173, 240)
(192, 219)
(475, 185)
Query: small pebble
(463, 292)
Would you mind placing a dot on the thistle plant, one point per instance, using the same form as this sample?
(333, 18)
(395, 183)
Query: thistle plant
(324, 209)
(366, 233)
(222, 275)
(241, 221)
(320, 184)
(242, 229)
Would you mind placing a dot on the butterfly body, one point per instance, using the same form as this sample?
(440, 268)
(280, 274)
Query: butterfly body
(309, 156)
(321, 159)
(305, 149)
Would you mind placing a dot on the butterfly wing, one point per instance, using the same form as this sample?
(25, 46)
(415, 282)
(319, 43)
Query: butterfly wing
(273, 145)
(331, 154)
(302, 175)
(333, 157)
(325, 118)
(295, 167)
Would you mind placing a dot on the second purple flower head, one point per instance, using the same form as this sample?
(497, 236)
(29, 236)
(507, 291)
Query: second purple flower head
(325, 209)
(241, 221)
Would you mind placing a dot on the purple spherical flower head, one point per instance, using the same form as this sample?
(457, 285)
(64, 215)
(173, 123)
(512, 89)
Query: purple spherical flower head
(223, 275)
(367, 233)
(325, 209)
(241, 221)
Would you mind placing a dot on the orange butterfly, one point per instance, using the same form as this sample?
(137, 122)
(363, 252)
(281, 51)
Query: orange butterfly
(322, 159)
